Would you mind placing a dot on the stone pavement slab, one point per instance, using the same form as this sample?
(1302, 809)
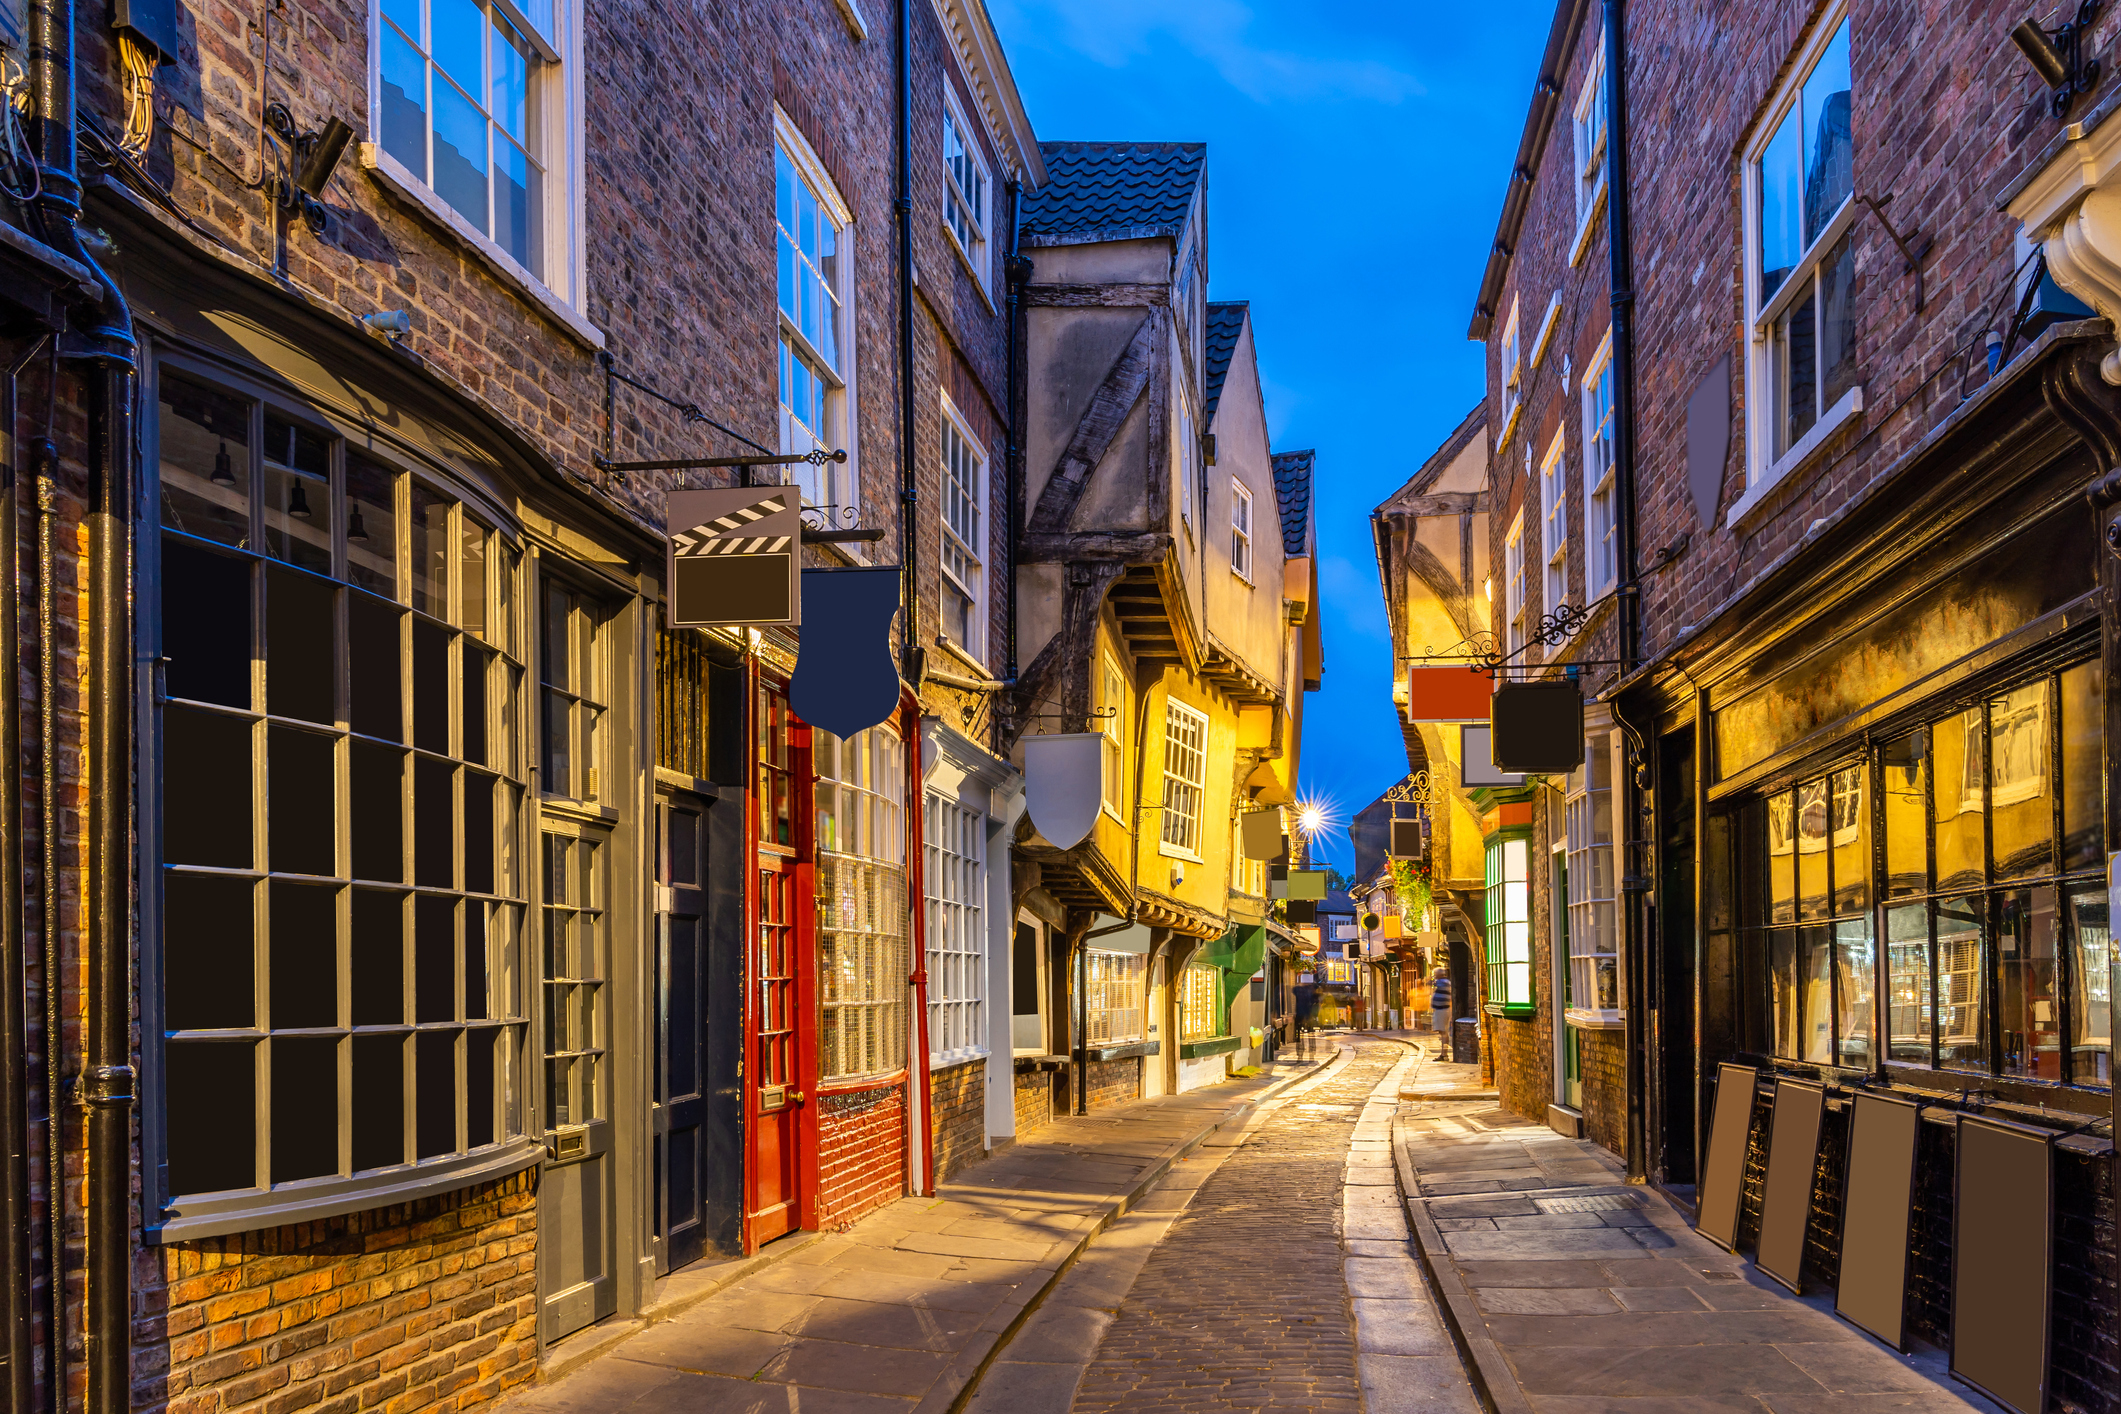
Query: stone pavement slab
(903, 1310)
(1574, 1292)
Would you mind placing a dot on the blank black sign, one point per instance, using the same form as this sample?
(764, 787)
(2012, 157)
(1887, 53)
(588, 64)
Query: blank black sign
(1786, 1204)
(1723, 1176)
(1874, 1216)
(2003, 1241)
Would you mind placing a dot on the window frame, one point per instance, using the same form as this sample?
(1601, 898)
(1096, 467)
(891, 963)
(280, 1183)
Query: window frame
(504, 907)
(874, 807)
(947, 538)
(1199, 989)
(1124, 974)
(840, 483)
(1510, 377)
(1241, 530)
(1554, 522)
(1180, 789)
(1112, 753)
(1514, 629)
(1601, 521)
(1589, 125)
(1766, 468)
(954, 878)
(561, 285)
(978, 252)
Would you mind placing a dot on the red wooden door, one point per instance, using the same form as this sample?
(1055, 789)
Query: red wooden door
(782, 1173)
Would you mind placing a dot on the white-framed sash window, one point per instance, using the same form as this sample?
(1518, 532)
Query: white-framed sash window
(1593, 898)
(955, 876)
(1241, 530)
(962, 530)
(1590, 133)
(1554, 522)
(813, 258)
(1185, 778)
(1112, 701)
(1513, 597)
(1601, 547)
(967, 189)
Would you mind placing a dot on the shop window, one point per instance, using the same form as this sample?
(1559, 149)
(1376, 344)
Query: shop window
(1995, 925)
(1114, 998)
(697, 705)
(1593, 906)
(338, 905)
(954, 871)
(575, 686)
(1509, 925)
(1199, 1010)
(861, 912)
(577, 967)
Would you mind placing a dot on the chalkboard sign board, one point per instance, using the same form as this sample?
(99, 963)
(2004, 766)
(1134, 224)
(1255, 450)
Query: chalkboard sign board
(1793, 1155)
(1723, 1176)
(2003, 1254)
(1875, 1210)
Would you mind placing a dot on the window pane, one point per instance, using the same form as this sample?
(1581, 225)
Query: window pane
(471, 574)
(305, 1107)
(300, 647)
(376, 674)
(298, 519)
(476, 962)
(471, 701)
(376, 826)
(211, 1090)
(430, 551)
(1829, 173)
(1956, 796)
(207, 959)
(301, 800)
(206, 625)
(1782, 858)
(435, 1091)
(205, 462)
(2022, 821)
(478, 832)
(206, 784)
(478, 1087)
(1961, 1038)
(1906, 786)
(1837, 323)
(1812, 810)
(404, 102)
(1854, 971)
(371, 525)
(510, 100)
(433, 824)
(405, 14)
(430, 686)
(1784, 993)
(1907, 934)
(1781, 201)
(554, 657)
(2091, 957)
(377, 960)
(1849, 834)
(1796, 353)
(378, 1101)
(2028, 999)
(434, 959)
(2083, 805)
(458, 42)
(1816, 999)
(304, 936)
(518, 197)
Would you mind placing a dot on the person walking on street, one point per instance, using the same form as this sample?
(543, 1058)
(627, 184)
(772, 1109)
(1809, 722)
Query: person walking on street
(1440, 1006)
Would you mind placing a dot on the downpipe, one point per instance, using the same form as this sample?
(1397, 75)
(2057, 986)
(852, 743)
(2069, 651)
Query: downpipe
(915, 652)
(99, 339)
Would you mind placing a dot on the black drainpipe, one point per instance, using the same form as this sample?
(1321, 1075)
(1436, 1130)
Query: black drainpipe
(99, 340)
(1016, 272)
(1635, 881)
(909, 487)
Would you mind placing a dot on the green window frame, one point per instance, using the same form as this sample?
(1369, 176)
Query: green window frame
(1509, 924)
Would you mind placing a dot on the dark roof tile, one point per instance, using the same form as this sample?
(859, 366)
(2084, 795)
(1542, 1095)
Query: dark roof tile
(1292, 492)
(1225, 323)
(1113, 191)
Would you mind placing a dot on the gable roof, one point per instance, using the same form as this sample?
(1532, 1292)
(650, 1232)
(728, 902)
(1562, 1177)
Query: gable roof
(1225, 322)
(1292, 493)
(1110, 191)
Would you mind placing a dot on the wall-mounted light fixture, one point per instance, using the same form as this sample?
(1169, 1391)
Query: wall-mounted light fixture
(314, 156)
(2058, 56)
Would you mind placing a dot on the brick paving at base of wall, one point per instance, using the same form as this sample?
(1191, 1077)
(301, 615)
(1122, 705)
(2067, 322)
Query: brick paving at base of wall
(861, 1153)
(957, 1109)
(1212, 1323)
(429, 1306)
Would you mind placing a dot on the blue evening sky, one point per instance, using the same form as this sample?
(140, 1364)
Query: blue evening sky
(1357, 154)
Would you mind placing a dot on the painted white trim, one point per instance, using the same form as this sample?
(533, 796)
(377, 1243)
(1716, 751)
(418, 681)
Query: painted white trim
(1588, 226)
(982, 604)
(985, 65)
(806, 160)
(857, 27)
(391, 175)
(1587, 1020)
(1545, 335)
(1807, 446)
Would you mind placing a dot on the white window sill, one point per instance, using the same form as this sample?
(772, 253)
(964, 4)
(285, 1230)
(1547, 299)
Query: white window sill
(1808, 446)
(1545, 336)
(1241, 577)
(964, 258)
(963, 654)
(1584, 1019)
(1113, 813)
(1588, 223)
(391, 175)
(1509, 427)
(950, 1058)
(1172, 851)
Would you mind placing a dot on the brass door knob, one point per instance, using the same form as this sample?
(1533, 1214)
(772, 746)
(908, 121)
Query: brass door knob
(796, 1097)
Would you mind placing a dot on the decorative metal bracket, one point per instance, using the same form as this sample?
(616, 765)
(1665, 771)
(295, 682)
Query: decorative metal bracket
(1480, 652)
(1913, 248)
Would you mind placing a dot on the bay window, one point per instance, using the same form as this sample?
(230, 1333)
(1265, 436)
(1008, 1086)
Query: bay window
(1114, 998)
(335, 900)
(1509, 923)
(1800, 286)
(861, 912)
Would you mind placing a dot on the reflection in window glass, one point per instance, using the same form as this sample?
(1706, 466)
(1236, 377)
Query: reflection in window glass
(2083, 803)
(1956, 795)
(1961, 1038)
(371, 525)
(1849, 835)
(430, 550)
(1906, 791)
(1855, 965)
(2089, 943)
(1816, 997)
(2028, 1005)
(1908, 1014)
(2022, 813)
(205, 461)
(1784, 993)
(1812, 812)
(1782, 858)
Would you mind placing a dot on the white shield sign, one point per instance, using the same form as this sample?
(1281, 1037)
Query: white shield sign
(1062, 786)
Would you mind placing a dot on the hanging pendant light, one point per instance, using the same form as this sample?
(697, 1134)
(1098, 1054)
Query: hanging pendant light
(298, 503)
(356, 533)
(224, 474)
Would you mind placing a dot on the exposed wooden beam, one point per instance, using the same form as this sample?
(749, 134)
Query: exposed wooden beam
(1097, 296)
(1109, 407)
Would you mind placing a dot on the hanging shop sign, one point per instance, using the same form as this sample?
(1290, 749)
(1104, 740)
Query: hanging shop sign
(1307, 883)
(1263, 838)
(1451, 693)
(845, 679)
(1406, 839)
(734, 556)
(1062, 785)
(1538, 727)
(1477, 759)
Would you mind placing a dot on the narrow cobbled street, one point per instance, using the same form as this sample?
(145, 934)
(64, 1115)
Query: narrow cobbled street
(1246, 1303)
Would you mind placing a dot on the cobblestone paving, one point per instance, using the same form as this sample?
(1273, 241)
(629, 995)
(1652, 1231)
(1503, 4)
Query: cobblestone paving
(1243, 1305)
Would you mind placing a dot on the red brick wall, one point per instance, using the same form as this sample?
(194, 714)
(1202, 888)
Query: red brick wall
(1604, 1058)
(861, 1153)
(1114, 1082)
(957, 1115)
(431, 1305)
(1034, 1101)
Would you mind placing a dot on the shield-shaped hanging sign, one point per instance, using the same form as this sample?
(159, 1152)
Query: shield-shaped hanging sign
(734, 556)
(845, 679)
(1061, 785)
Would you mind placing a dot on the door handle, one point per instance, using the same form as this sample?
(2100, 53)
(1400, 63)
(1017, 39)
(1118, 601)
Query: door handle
(796, 1097)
